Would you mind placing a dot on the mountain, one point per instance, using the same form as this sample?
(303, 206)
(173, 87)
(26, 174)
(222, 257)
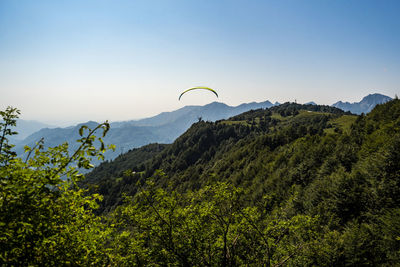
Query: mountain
(310, 103)
(365, 105)
(163, 128)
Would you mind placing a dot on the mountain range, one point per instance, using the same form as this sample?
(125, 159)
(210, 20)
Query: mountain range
(162, 128)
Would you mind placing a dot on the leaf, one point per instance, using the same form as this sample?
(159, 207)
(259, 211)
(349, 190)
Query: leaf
(81, 130)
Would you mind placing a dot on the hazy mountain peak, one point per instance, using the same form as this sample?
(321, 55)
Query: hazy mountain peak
(365, 105)
(310, 103)
(375, 98)
(89, 123)
(216, 104)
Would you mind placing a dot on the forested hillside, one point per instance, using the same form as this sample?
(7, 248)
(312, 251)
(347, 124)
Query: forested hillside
(338, 170)
(292, 185)
(226, 150)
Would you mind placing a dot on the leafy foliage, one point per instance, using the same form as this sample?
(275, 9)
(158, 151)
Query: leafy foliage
(212, 226)
(45, 219)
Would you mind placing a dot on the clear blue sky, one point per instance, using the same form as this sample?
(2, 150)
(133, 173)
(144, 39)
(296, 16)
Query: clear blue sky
(118, 60)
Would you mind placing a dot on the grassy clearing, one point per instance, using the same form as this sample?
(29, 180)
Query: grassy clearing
(245, 123)
(344, 123)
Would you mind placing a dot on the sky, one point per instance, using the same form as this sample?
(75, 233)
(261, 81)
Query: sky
(74, 61)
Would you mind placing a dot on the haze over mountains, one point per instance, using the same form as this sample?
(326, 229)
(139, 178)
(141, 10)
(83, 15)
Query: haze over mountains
(27, 127)
(162, 128)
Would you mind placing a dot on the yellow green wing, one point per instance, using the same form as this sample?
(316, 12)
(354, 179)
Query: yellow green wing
(198, 87)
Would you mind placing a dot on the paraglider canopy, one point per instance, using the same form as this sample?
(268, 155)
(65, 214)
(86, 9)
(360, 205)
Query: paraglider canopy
(198, 87)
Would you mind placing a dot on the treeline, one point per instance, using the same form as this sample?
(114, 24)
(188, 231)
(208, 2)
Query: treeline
(295, 185)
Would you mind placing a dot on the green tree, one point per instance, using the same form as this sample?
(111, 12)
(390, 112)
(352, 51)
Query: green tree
(45, 218)
(209, 227)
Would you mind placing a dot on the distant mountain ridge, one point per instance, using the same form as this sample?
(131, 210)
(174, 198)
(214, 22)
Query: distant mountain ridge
(210, 112)
(163, 128)
(365, 105)
(167, 126)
